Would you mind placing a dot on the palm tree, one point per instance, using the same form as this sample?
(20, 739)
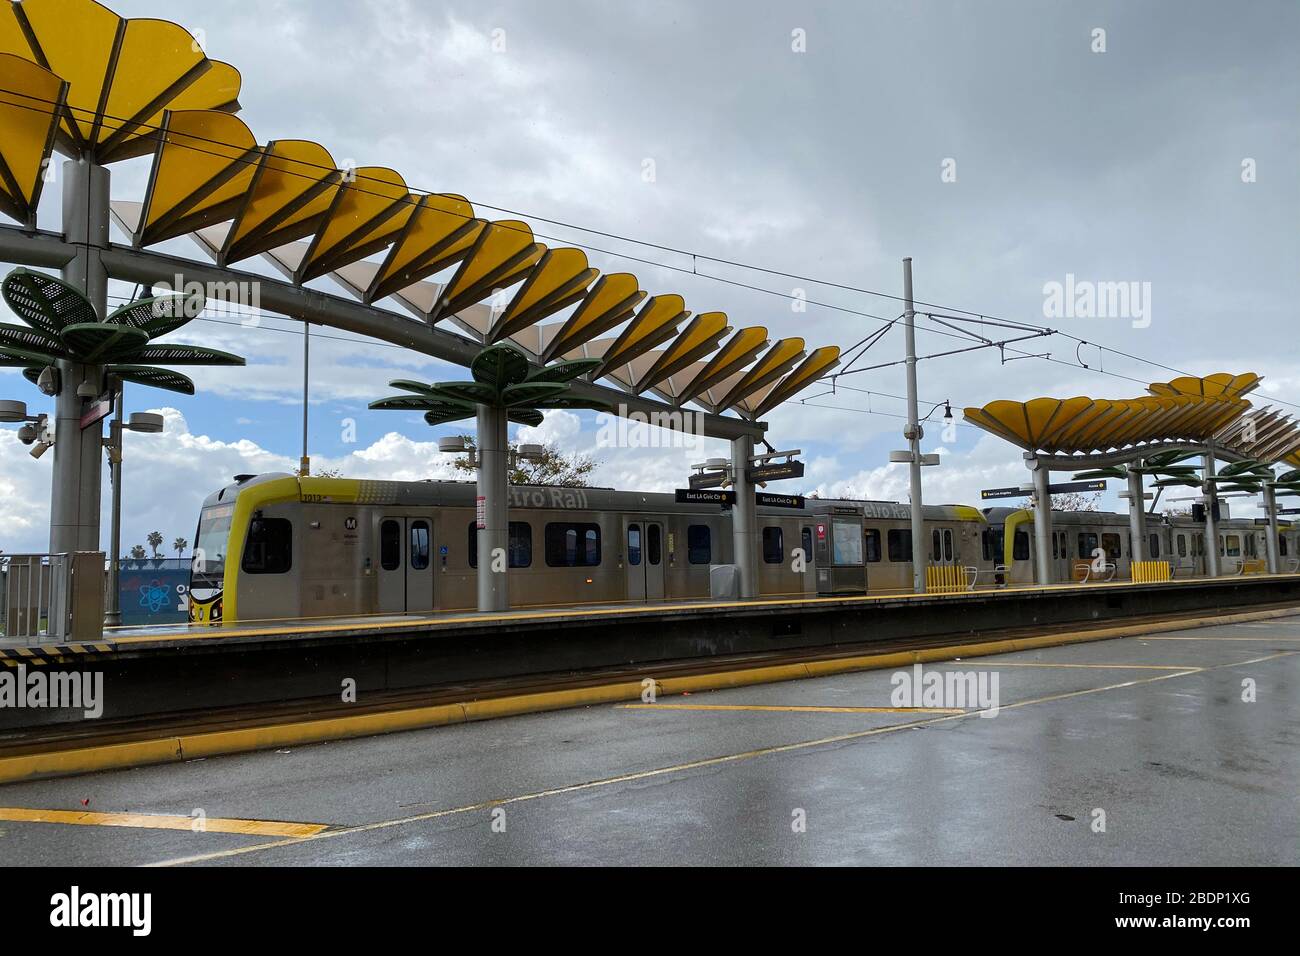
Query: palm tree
(179, 546)
(64, 325)
(155, 540)
(138, 552)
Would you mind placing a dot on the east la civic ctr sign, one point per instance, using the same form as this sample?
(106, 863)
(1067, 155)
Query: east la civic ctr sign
(699, 496)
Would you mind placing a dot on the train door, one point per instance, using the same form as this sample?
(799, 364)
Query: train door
(644, 541)
(405, 564)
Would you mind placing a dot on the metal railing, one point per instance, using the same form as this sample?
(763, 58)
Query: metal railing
(58, 597)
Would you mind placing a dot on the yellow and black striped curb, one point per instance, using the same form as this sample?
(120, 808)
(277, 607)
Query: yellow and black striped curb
(40, 654)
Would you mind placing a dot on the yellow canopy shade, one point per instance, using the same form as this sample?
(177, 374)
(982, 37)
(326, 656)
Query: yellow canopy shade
(292, 190)
(368, 211)
(812, 368)
(31, 102)
(700, 338)
(560, 279)
(502, 256)
(780, 358)
(610, 302)
(201, 172)
(738, 351)
(655, 324)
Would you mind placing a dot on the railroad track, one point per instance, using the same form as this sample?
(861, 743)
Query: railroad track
(47, 739)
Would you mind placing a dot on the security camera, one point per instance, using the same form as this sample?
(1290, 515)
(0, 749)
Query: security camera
(40, 449)
(27, 434)
(48, 381)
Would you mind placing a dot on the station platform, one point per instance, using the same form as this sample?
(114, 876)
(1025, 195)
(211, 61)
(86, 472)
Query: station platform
(1159, 749)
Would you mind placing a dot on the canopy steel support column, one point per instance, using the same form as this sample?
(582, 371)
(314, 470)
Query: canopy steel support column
(1042, 522)
(1270, 511)
(78, 452)
(744, 518)
(913, 435)
(493, 487)
(1211, 526)
(1137, 515)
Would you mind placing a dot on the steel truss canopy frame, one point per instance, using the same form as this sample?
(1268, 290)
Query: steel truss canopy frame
(76, 77)
(1187, 414)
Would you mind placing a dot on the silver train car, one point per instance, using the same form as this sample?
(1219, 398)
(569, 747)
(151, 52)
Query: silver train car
(1077, 535)
(278, 546)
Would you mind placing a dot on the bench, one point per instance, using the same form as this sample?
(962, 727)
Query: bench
(1084, 572)
(973, 575)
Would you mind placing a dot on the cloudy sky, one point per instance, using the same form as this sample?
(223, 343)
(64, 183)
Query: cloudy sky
(998, 144)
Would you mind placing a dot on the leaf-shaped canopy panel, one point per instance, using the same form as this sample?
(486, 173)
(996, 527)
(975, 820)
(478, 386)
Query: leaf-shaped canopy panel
(186, 355)
(530, 393)
(45, 302)
(154, 377)
(22, 339)
(500, 365)
(565, 371)
(99, 342)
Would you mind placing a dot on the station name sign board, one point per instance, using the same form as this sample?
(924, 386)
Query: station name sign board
(701, 496)
(1063, 488)
(779, 501)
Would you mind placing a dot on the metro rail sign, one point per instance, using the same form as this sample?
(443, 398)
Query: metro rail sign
(1067, 486)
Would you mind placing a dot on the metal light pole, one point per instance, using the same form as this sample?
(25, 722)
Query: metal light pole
(1211, 525)
(491, 512)
(113, 615)
(304, 464)
(1270, 512)
(913, 434)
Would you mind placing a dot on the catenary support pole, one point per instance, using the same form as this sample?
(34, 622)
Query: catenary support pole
(78, 452)
(304, 463)
(493, 487)
(913, 435)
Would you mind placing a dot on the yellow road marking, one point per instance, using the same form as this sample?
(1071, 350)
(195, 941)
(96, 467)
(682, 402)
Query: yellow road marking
(795, 709)
(161, 821)
(1144, 667)
(682, 767)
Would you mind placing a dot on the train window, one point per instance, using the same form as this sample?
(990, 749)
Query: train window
(948, 552)
(1181, 542)
(1087, 544)
(634, 544)
(1020, 546)
(1155, 546)
(773, 548)
(269, 549)
(993, 540)
(900, 544)
(936, 548)
(1056, 547)
(1200, 544)
(653, 546)
(871, 538)
(570, 545)
(699, 544)
(1234, 546)
(419, 545)
(519, 546)
(1110, 543)
(1281, 545)
(805, 542)
(390, 544)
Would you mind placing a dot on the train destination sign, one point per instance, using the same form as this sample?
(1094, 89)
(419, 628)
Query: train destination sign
(1063, 488)
(775, 472)
(706, 479)
(699, 496)
(779, 501)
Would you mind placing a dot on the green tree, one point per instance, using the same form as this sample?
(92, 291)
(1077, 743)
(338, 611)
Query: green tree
(138, 553)
(179, 546)
(553, 468)
(155, 540)
(1071, 501)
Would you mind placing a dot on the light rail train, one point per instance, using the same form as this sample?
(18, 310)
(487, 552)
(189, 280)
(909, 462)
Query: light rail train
(278, 546)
